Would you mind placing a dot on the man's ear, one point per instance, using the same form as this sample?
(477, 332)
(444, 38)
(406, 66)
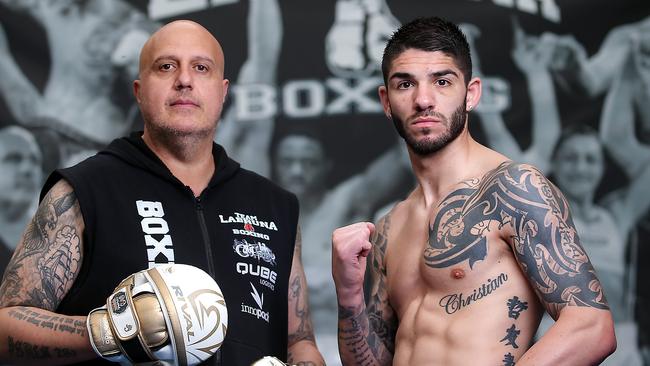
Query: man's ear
(136, 90)
(385, 103)
(226, 84)
(473, 97)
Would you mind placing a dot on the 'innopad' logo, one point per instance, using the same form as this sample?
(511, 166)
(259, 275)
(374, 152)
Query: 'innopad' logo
(258, 311)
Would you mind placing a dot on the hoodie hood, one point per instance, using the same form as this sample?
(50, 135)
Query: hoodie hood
(133, 150)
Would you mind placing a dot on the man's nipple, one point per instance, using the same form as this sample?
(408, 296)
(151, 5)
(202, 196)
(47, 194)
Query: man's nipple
(457, 273)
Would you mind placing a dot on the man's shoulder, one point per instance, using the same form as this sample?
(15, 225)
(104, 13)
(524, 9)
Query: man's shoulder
(511, 172)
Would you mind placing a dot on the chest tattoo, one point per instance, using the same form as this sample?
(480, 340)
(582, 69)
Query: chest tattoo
(517, 200)
(458, 232)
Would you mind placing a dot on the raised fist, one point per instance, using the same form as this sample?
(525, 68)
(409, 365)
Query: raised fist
(350, 247)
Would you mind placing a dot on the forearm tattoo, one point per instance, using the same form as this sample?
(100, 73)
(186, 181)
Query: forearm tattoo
(55, 323)
(544, 241)
(305, 329)
(23, 350)
(369, 334)
(291, 360)
(48, 257)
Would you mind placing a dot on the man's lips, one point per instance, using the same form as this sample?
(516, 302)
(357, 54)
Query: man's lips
(183, 103)
(425, 121)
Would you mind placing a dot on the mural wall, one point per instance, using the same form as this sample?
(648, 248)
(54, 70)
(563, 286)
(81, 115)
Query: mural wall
(566, 88)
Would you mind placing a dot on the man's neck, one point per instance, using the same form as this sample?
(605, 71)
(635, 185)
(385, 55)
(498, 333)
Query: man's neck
(461, 159)
(189, 159)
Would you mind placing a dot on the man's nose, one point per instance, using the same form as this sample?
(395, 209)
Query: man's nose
(297, 168)
(184, 78)
(424, 98)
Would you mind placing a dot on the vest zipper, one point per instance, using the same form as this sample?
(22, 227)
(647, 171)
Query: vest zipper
(206, 237)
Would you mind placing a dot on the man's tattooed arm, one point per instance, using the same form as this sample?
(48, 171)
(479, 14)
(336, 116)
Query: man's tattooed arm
(302, 348)
(546, 243)
(42, 270)
(367, 334)
(547, 246)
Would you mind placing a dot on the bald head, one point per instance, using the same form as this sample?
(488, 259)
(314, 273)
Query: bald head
(181, 88)
(20, 164)
(180, 33)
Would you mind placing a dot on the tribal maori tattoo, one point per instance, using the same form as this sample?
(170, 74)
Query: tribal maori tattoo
(517, 197)
(48, 257)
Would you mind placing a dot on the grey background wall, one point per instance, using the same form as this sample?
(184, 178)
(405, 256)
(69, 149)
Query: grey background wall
(303, 110)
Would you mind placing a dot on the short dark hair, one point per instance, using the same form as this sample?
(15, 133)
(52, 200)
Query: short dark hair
(429, 34)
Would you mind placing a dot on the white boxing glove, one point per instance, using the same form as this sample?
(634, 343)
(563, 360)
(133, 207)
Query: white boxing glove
(175, 314)
(268, 361)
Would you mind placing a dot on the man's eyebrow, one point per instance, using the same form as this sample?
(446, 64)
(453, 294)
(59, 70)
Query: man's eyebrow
(444, 73)
(193, 59)
(406, 75)
(401, 75)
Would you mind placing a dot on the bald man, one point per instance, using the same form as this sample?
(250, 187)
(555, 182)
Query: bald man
(90, 229)
(20, 178)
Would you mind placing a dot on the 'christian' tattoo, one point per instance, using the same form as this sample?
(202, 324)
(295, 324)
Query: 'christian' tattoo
(454, 302)
(519, 199)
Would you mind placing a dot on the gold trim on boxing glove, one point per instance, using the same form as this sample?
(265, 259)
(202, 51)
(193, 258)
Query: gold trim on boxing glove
(126, 325)
(169, 309)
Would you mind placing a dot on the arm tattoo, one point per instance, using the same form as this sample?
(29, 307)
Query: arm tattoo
(24, 350)
(46, 218)
(301, 311)
(369, 333)
(545, 242)
(48, 257)
(55, 323)
(298, 297)
(291, 360)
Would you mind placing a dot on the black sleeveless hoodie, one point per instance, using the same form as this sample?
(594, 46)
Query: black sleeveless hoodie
(241, 230)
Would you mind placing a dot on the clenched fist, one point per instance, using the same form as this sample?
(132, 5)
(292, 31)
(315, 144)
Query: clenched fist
(350, 248)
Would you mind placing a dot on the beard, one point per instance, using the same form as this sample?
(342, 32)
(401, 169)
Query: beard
(427, 146)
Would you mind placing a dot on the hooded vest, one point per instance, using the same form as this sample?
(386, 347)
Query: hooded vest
(241, 230)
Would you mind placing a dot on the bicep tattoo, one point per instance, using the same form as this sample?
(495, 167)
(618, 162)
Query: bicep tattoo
(548, 247)
(48, 257)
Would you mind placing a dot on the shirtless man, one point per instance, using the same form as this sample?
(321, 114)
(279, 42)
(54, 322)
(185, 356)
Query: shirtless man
(462, 270)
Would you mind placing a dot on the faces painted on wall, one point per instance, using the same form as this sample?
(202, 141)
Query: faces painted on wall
(181, 89)
(21, 172)
(578, 165)
(427, 98)
(301, 165)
